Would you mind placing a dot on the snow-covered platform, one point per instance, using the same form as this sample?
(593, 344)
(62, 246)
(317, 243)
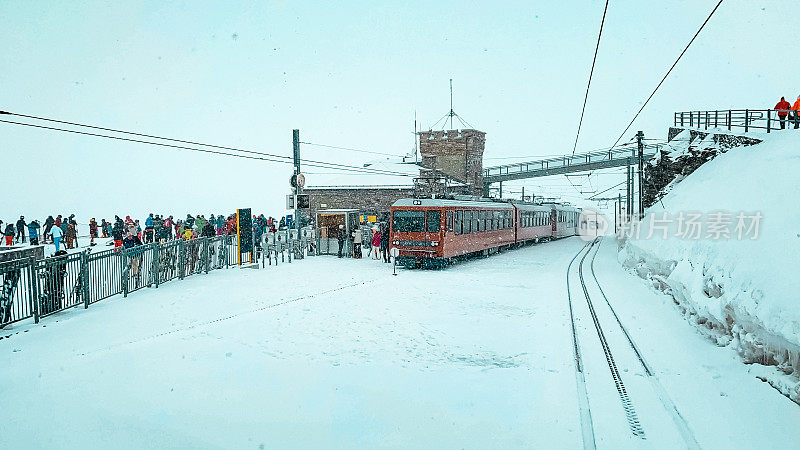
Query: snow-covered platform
(339, 353)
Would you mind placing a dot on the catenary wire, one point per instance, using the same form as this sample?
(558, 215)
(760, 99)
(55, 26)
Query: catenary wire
(270, 155)
(263, 158)
(668, 72)
(591, 72)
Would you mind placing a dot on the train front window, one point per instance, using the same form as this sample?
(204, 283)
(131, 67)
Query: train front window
(408, 221)
(434, 221)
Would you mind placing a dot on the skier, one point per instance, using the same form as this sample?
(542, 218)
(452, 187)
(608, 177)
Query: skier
(21, 229)
(341, 236)
(33, 232)
(57, 222)
(48, 224)
(92, 231)
(56, 233)
(783, 109)
(208, 230)
(220, 224)
(52, 286)
(189, 220)
(9, 234)
(376, 243)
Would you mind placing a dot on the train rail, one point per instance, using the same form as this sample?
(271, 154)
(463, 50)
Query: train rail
(625, 394)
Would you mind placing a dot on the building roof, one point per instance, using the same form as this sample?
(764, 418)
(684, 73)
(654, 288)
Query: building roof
(404, 179)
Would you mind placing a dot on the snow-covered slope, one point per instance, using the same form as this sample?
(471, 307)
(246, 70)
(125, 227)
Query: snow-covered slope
(743, 290)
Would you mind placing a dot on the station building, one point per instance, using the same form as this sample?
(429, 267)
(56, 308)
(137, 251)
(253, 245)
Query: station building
(450, 163)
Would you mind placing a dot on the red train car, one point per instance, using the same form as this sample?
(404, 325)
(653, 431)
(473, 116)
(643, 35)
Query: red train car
(431, 232)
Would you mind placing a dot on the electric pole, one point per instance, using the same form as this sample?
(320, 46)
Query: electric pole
(639, 139)
(297, 188)
(628, 192)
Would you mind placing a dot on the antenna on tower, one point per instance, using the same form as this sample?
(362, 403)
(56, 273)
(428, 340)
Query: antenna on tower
(451, 114)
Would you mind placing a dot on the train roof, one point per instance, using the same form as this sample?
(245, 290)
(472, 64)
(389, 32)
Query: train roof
(442, 203)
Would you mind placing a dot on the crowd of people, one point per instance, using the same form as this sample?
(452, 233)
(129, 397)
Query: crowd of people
(375, 239)
(787, 111)
(129, 232)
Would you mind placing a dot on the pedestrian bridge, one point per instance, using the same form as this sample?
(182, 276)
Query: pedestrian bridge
(619, 156)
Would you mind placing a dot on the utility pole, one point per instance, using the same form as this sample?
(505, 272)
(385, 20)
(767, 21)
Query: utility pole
(618, 211)
(297, 189)
(523, 193)
(452, 113)
(640, 143)
(501, 191)
(628, 192)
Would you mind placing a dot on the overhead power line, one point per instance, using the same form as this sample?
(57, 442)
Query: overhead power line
(320, 164)
(668, 72)
(265, 156)
(351, 149)
(591, 72)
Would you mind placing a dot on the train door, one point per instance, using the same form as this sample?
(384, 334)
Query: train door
(433, 225)
(554, 221)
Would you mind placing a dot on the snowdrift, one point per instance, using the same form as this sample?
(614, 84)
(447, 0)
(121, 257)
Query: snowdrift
(741, 290)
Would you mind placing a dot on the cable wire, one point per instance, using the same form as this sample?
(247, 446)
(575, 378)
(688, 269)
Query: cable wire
(181, 147)
(351, 149)
(591, 72)
(668, 72)
(269, 155)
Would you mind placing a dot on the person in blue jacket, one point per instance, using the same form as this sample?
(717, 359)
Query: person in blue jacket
(33, 232)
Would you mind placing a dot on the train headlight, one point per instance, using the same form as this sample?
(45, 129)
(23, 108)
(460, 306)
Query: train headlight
(434, 243)
(395, 242)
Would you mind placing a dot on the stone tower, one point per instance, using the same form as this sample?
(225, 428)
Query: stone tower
(455, 153)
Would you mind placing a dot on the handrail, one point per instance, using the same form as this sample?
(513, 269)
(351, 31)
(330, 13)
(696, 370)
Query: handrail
(568, 160)
(747, 119)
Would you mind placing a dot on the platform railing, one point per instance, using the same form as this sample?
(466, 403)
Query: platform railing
(746, 120)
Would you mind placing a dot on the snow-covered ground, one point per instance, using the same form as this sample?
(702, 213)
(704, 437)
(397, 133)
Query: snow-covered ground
(329, 352)
(741, 290)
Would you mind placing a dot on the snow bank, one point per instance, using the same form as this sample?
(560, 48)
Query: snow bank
(742, 290)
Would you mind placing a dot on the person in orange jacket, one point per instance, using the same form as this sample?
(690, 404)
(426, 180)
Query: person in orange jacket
(783, 110)
(796, 109)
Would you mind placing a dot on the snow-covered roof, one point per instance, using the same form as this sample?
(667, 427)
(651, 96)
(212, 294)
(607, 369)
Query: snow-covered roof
(404, 179)
(435, 202)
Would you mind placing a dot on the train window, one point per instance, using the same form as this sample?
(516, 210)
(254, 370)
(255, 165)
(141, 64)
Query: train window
(476, 219)
(457, 225)
(467, 222)
(434, 221)
(496, 220)
(449, 221)
(408, 221)
(479, 225)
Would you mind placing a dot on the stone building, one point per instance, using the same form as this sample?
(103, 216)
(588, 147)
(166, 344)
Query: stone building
(452, 163)
(458, 154)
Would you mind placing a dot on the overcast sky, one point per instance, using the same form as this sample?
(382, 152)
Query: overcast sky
(350, 74)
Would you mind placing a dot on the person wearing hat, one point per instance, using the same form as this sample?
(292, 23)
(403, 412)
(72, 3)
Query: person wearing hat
(21, 229)
(33, 232)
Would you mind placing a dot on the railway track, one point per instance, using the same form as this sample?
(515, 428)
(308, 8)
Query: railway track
(624, 393)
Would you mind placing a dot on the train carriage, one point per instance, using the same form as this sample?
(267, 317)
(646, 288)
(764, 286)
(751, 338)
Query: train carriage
(435, 230)
(565, 221)
(534, 222)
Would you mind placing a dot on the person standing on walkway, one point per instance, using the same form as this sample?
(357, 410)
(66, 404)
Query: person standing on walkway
(92, 231)
(33, 232)
(341, 236)
(385, 242)
(9, 234)
(21, 229)
(57, 233)
(48, 225)
(783, 110)
(796, 109)
(357, 243)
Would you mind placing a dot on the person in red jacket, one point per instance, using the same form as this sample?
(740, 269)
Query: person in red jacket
(783, 109)
(796, 109)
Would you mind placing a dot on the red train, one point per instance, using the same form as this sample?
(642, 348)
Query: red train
(432, 232)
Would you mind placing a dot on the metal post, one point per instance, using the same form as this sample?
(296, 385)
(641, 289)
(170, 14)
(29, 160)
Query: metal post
(716, 117)
(769, 120)
(746, 120)
(681, 118)
(729, 120)
(35, 288)
(124, 274)
(501, 190)
(628, 191)
(207, 253)
(706, 124)
(84, 274)
(181, 256)
(640, 143)
(157, 262)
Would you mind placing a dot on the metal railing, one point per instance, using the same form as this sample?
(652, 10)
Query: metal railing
(740, 119)
(37, 288)
(629, 150)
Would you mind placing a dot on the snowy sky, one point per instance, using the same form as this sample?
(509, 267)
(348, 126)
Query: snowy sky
(350, 74)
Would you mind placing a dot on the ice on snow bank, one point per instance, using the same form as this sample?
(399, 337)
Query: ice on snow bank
(741, 292)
